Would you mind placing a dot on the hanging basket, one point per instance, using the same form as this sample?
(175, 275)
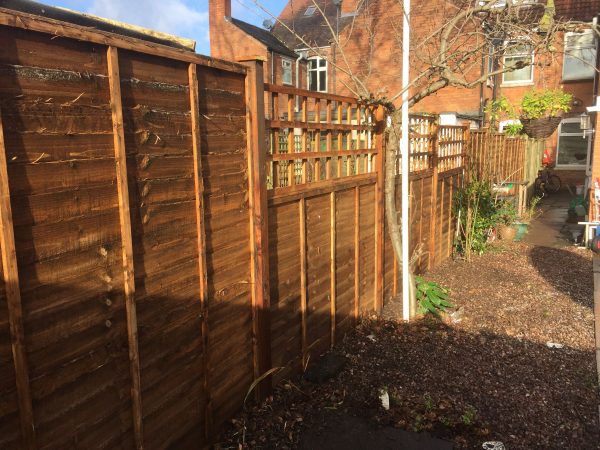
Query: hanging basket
(540, 128)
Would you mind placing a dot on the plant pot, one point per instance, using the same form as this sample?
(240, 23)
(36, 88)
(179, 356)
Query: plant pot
(541, 128)
(506, 232)
(521, 230)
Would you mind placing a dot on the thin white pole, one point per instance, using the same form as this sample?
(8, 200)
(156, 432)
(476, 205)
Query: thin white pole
(405, 152)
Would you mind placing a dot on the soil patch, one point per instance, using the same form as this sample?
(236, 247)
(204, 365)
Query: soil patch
(489, 377)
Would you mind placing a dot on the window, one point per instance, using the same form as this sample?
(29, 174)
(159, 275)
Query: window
(317, 74)
(520, 55)
(310, 10)
(572, 146)
(580, 56)
(286, 71)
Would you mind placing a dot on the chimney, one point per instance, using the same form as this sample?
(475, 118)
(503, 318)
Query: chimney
(218, 10)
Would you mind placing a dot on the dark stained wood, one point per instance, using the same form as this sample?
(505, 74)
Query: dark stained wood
(303, 279)
(10, 274)
(597, 311)
(356, 252)
(57, 28)
(434, 193)
(292, 193)
(126, 240)
(201, 242)
(327, 154)
(303, 92)
(332, 262)
(316, 126)
(259, 229)
(379, 208)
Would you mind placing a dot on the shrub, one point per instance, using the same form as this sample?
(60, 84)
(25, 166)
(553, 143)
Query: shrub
(477, 212)
(431, 297)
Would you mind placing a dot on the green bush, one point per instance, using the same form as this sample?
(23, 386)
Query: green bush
(431, 297)
(513, 129)
(538, 103)
(477, 211)
(535, 104)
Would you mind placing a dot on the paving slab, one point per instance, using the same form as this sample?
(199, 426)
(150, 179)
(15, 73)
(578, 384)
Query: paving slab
(551, 229)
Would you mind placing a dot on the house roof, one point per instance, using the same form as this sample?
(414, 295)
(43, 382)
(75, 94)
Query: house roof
(579, 10)
(98, 23)
(311, 27)
(264, 36)
(314, 30)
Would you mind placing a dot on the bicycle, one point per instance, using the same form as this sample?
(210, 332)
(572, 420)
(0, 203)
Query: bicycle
(547, 182)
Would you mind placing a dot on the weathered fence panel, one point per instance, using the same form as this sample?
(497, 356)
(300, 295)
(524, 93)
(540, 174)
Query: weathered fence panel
(324, 200)
(107, 148)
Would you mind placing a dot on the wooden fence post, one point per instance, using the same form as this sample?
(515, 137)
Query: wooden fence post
(201, 243)
(434, 194)
(10, 275)
(259, 229)
(379, 207)
(114, 82)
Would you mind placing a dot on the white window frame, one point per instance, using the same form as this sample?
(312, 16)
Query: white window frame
(579, 135)
(310, 10)
(286, 62)
(317, 69)
(518, 55)
(566, 49)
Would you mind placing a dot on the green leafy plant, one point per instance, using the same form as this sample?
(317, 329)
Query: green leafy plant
(538, 103)
(532, 210)
(475, 207)
(428, 401)
(431, 297)
(419, 426)
(505, 214)
(535, 104)
(500, 108)
(469, 416)
(513, 129)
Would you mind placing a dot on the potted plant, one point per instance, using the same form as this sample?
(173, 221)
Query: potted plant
(530, 213)
(542, 110)
(539, 112)
(505, 217)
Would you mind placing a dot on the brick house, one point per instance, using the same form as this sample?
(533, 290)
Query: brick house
(369, 37)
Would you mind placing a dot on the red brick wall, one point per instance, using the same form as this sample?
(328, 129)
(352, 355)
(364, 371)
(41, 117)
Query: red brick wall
(549, 75)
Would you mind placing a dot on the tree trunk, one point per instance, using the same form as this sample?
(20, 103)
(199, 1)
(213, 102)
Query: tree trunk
(391, 212)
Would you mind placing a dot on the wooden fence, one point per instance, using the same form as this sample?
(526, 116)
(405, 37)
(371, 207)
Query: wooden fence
(156, 259)
(126, 312)
(501, 158)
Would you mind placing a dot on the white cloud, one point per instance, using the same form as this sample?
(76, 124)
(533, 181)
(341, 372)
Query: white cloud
(169, 16)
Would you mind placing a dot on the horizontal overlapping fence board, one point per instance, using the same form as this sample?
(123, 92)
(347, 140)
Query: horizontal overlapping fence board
(109, 318)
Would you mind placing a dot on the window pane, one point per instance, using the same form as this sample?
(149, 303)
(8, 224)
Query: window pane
(322, 63)
(286, 73)
(572, 150)
(323, 81)
(579, 63)
(523, 74)
(312, 81)
(571, 127)
(580, 40)
(312, 64)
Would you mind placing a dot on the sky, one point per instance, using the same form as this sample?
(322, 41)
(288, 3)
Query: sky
(185, 18)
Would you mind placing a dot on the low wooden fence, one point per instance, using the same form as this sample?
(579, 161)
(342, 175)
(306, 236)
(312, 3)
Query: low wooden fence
(501, 158)
(156, 259)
